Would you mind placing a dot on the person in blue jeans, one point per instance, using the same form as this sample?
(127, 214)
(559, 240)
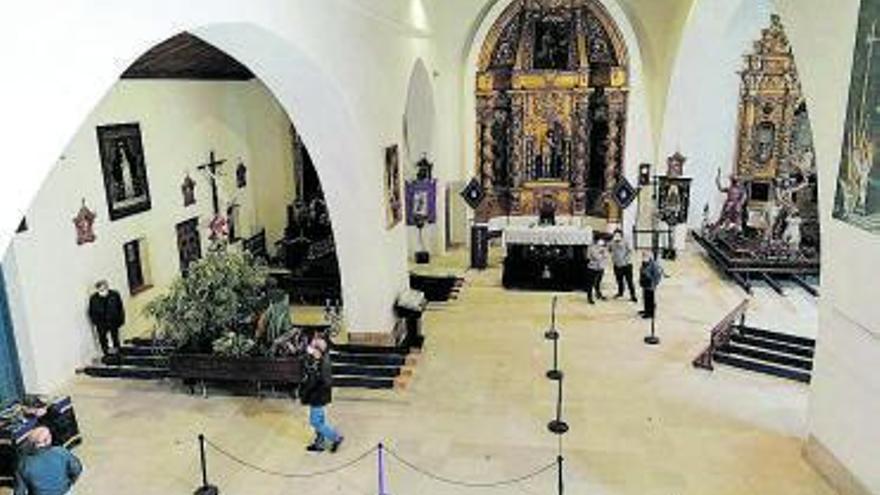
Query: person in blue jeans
(316, 391)
(44, 469)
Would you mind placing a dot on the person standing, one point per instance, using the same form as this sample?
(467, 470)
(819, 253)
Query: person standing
(650, 275)
(106, 314)
(621, 258)
(316, 391)
(44, 469)
(597, 258)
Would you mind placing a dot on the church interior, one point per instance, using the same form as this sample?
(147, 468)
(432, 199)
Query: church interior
(458, 246)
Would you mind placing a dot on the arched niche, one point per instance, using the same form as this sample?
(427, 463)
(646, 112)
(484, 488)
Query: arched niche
(419, 135)
(420, 116)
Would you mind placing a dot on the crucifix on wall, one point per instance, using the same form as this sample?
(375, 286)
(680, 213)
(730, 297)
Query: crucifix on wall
(211, 169)
(218, 224)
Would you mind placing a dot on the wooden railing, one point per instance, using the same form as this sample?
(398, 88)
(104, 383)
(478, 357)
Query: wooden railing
(720, 335)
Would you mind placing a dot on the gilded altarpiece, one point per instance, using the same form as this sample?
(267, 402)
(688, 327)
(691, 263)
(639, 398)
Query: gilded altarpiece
(775, 157)
(551, 109)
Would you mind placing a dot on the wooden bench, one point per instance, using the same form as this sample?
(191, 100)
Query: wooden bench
(201, 368)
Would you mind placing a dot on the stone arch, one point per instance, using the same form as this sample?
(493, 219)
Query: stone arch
(316, 105)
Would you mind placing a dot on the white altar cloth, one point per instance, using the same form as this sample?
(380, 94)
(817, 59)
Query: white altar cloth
(549, 235)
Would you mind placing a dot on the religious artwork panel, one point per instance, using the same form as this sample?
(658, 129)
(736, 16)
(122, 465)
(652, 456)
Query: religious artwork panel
(393, 203)
(551, 110)
(857, 200)
(189, 244)
(124, 168)
(421, 202)
(188, 191)
(674, 199)
(84, 222)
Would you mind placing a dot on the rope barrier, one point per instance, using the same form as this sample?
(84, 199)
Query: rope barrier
(470, 484)
(270, 472)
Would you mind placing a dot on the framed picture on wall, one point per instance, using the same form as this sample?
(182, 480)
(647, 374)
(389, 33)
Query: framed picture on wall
(124, 169)
(674, 196)
(393, 203)
(421, 201)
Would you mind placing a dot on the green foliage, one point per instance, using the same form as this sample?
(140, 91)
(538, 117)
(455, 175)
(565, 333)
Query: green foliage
(232, 344)
(221, 292)
(277, 317)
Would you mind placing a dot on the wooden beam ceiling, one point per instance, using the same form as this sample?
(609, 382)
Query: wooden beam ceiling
(187, 57)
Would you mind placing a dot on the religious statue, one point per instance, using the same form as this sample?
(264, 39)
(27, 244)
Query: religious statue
(219, 227)
(792, 233)
(556, 137)
(706, 224)
(786, 210)
(731, 212)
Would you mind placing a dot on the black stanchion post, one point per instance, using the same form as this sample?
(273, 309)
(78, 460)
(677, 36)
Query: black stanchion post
(205, 489)
(553, 334)
(560, 486)
(557, 426)
(653, 339)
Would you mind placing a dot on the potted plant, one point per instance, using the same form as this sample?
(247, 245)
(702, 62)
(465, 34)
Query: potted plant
(225, 321)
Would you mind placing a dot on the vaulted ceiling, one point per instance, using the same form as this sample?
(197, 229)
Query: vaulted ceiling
(187, 57)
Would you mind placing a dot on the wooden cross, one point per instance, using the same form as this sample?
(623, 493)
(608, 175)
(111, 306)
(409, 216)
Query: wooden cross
(211, 167)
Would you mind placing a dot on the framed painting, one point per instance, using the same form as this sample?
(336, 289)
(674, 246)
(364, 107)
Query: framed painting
(125, 172)
(673, 199)
(421, 201)
(857, 199)
(393, 202)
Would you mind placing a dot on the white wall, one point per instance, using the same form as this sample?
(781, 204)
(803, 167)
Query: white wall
(180, 123)
(701, 111)
(845, 392)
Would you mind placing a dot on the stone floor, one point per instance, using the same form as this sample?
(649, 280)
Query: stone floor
(643, 421)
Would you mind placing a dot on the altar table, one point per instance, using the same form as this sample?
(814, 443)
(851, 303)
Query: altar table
(545, 257)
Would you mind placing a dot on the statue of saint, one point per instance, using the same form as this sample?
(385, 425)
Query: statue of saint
(735, 201)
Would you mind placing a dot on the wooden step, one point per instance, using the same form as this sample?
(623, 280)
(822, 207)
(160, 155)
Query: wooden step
(772, 345)
(768, 369)
(776, 336)
(770, 357)
(362, 382)
(370, 371)
(368, 359)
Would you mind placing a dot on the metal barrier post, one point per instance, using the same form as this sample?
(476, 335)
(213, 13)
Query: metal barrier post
(205, 489)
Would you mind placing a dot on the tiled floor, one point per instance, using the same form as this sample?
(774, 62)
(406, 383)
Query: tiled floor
(643, 421)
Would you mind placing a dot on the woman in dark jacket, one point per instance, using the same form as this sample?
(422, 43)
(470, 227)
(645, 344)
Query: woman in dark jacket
(316, 391)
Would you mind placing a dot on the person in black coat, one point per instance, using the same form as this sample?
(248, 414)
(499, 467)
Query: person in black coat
(650, 276)
(106, 314)
(316, 391)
